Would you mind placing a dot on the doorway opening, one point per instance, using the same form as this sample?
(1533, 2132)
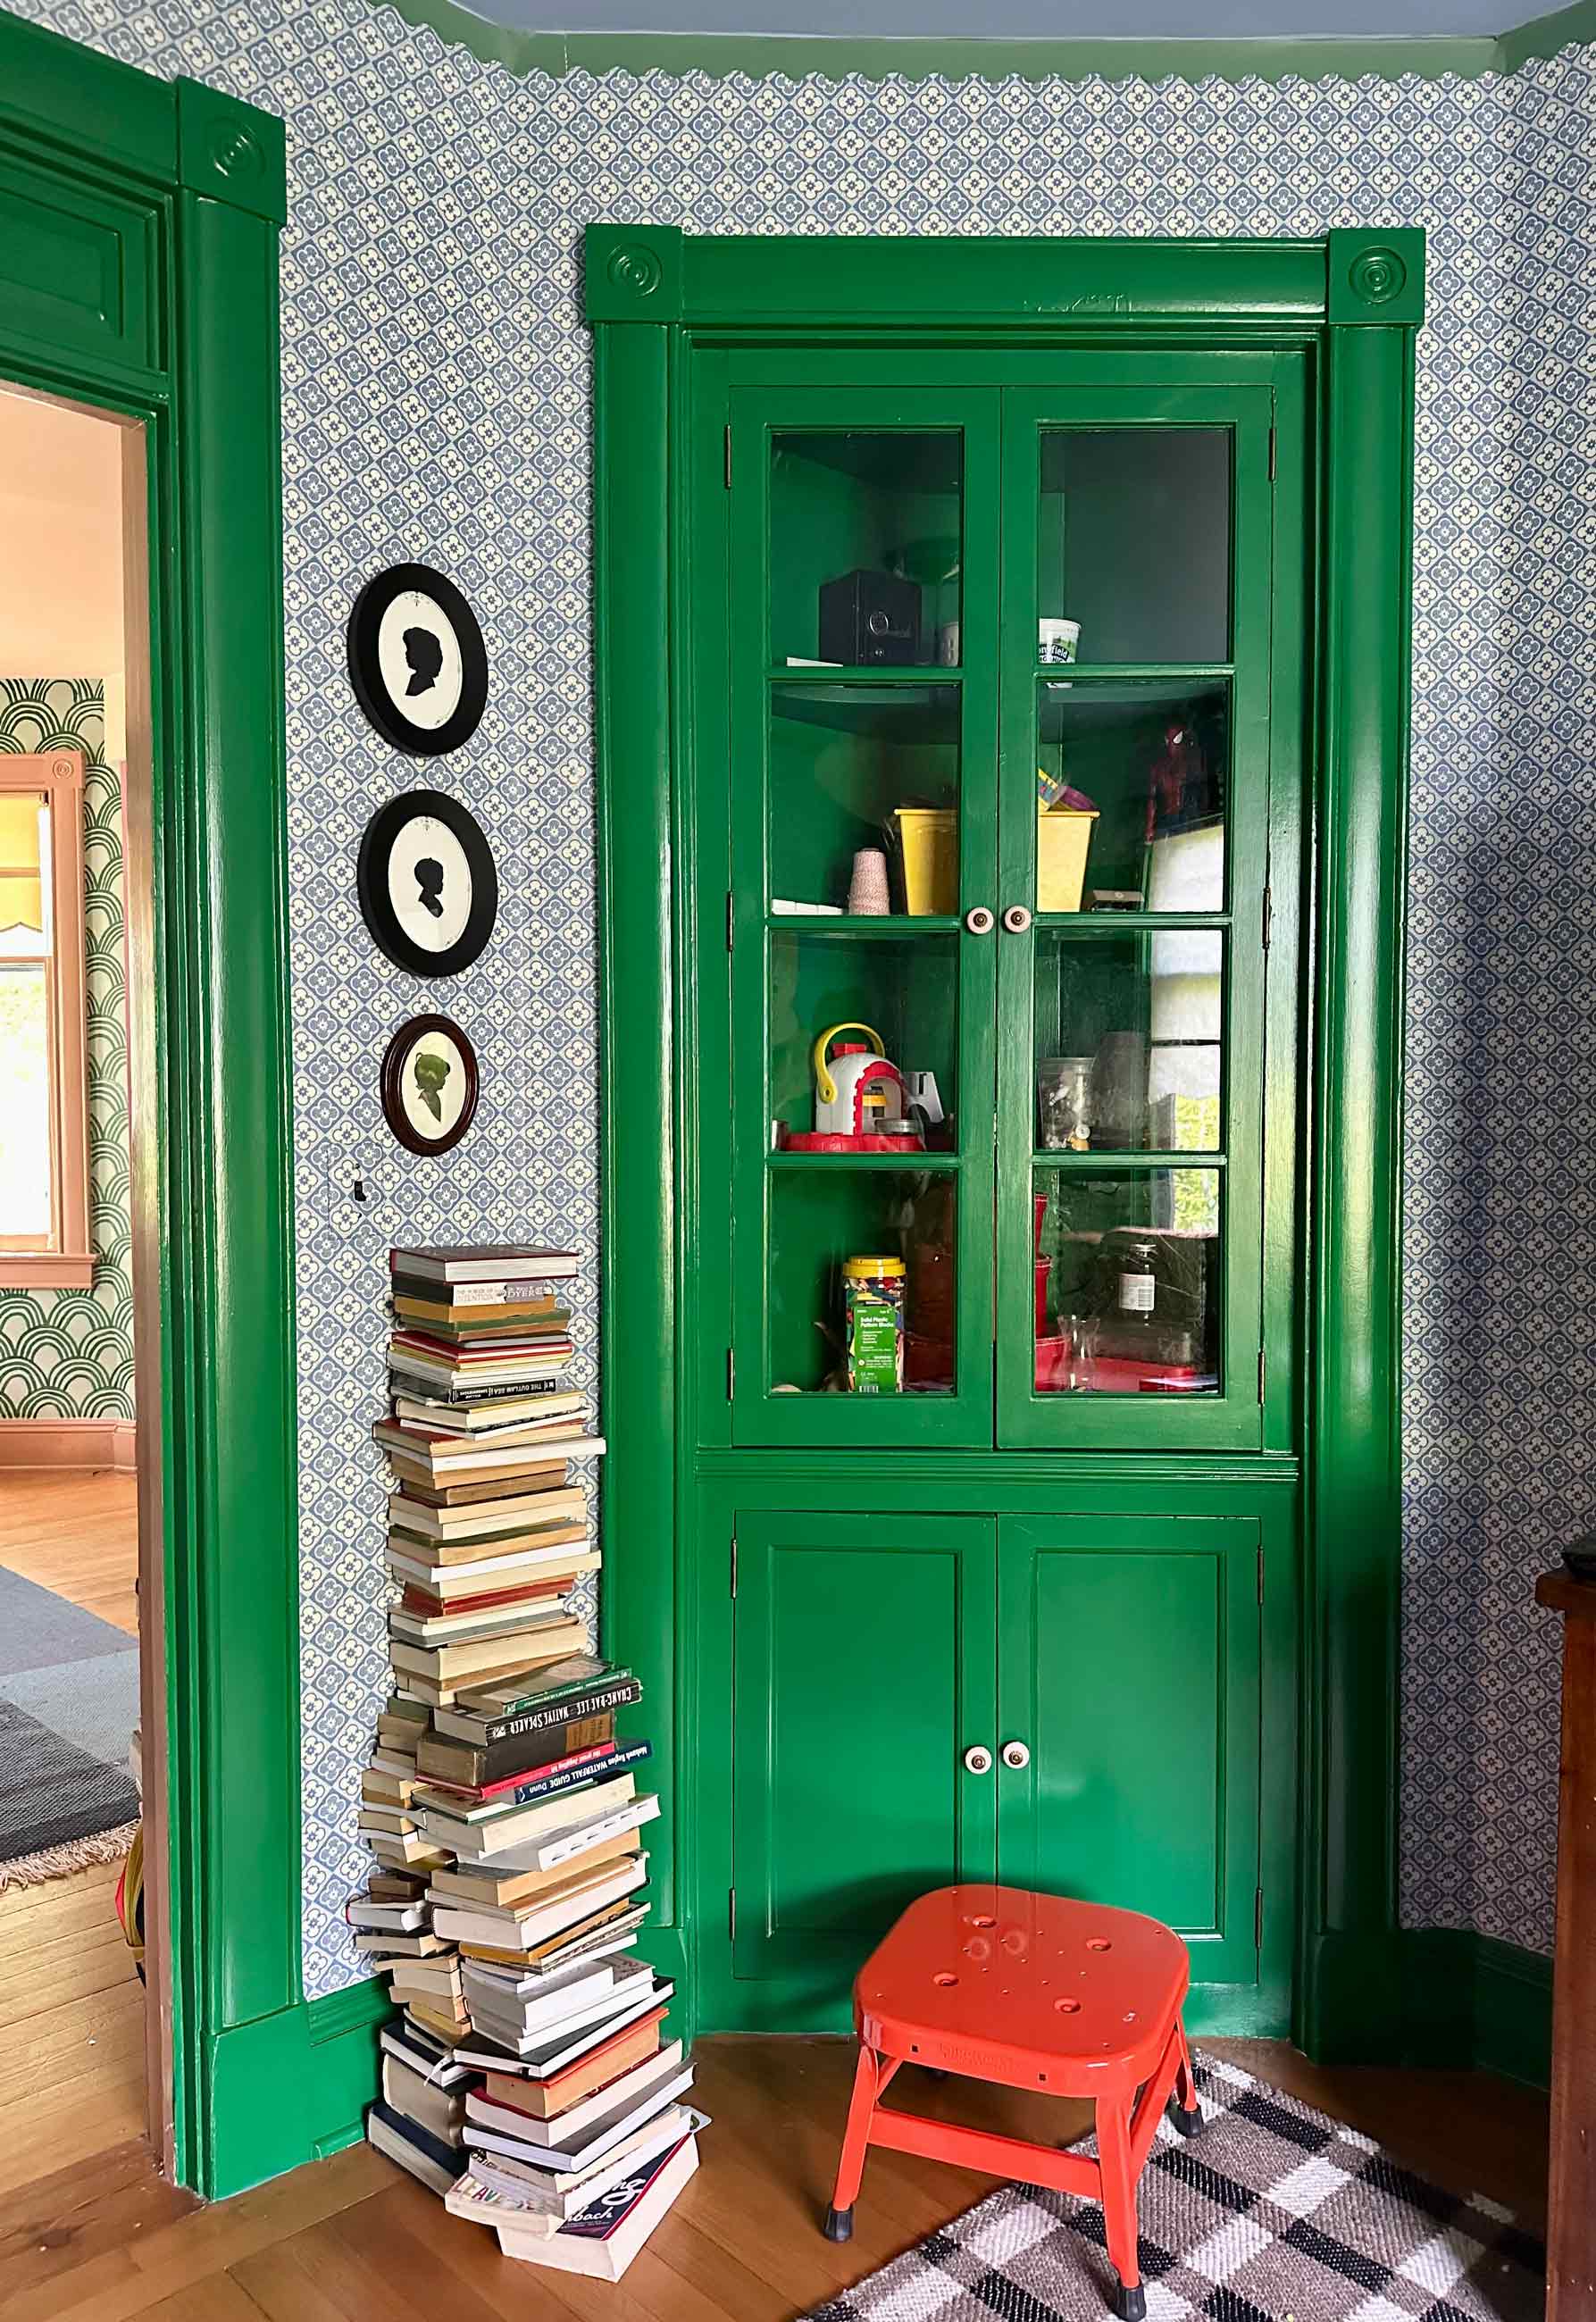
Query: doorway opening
(82, 1662)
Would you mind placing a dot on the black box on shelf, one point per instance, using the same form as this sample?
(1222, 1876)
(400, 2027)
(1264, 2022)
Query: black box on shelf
(869, 617)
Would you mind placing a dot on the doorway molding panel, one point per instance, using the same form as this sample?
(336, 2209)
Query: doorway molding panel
(138, 275)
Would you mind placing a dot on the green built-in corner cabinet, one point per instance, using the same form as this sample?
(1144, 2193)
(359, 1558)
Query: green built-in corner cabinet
(1001, 668)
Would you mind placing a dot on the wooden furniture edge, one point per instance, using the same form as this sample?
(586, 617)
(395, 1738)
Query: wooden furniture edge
(1564, 1592)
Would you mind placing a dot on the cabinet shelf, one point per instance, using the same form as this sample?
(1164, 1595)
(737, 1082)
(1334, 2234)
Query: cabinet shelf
(896, 705)
(822, 1165)
(1109, 1162)
(1131, 923)
(1135, 677)
(854, 674)
(862, 928)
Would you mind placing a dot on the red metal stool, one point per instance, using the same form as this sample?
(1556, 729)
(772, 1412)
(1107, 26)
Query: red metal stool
(1032, 1992)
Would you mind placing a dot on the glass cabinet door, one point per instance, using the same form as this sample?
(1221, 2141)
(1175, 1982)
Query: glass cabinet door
(863, 644)
(1135, 705)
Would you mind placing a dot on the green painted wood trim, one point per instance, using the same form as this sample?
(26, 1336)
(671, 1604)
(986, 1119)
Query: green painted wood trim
(200, 273)
(633, 739)
(87, 104)
(1547, 36)
(1011, 1476)
(1349, 1996)
(823, 283)
(228, 959)
(762, 55)
(341, 2012)
(292, 2085)
(1376, 278)
(1471, 1999)
(232, 151)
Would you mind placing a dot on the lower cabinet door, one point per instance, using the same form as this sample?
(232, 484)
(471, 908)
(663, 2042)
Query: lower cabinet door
(1129, 1657)
(865, 1668)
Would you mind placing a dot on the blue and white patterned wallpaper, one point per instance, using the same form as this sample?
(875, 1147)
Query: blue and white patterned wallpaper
(436, 377)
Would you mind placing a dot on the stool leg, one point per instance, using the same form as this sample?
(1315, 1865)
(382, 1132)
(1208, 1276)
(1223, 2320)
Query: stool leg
(1119, 2208)
(1184, 2109)
(839, 2217)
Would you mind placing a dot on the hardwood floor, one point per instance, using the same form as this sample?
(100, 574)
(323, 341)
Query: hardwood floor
(353, 2240)
(78, 1534)
(71, 2005)
(71, 2026)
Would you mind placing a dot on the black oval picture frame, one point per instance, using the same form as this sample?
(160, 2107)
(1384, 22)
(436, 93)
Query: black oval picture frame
(395, 1062)
(381, 837)
(423, 662)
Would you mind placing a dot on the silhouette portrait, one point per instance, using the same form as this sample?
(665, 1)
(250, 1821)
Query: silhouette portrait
(429, 885)
(431, 1073)
(425, 657)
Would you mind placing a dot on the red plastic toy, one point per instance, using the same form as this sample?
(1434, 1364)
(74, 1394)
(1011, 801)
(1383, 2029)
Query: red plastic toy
(1032, 1992)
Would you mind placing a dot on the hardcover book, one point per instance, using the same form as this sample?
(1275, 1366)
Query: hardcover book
(484, 1262)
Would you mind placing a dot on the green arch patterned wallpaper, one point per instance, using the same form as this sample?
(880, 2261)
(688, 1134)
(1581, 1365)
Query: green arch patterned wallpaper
(69, 1354)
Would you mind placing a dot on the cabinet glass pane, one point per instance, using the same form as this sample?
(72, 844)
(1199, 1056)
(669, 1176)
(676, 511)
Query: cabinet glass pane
(866, 540)
(1128, 1282)
(1134, 545)
(864, 767)
(840, 996)
(1128, 1032)
(1133, 777)
(822, 1213)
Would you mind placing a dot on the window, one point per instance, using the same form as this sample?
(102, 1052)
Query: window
(43, 1119)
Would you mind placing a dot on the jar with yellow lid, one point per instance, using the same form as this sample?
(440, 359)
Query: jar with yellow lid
(873, 1306)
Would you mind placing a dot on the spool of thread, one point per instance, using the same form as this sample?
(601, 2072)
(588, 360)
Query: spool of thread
(867, 890)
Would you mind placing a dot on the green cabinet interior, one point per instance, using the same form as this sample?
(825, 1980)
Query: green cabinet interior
(823, 1589)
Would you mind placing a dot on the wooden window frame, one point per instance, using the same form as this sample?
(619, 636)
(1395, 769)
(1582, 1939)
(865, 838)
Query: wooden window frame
(65, 1260)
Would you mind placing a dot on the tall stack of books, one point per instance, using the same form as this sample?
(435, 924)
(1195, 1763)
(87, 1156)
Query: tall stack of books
(530, 2079)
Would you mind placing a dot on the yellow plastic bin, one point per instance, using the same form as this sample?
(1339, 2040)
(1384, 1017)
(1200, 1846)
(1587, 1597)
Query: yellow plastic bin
(929, 838)
(1063, 834)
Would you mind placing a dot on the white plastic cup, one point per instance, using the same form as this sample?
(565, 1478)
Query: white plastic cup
(1058, 641)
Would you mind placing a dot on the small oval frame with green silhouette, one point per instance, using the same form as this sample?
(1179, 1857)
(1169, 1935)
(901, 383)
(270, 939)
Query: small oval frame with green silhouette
(430, 1085)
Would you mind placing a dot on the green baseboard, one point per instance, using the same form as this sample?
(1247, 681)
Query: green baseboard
(290, 2088)
(294, 2087)
(1349, 2008)
(1472, 2001)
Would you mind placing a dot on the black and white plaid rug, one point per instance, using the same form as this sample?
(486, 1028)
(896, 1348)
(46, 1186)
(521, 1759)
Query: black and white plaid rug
(1275, 2213)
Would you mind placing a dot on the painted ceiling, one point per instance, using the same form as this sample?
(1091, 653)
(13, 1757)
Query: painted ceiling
(1026, 19)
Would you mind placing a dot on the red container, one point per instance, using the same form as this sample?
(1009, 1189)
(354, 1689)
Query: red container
(1044, 1269)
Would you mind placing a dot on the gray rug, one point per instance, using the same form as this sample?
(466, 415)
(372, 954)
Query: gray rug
(39, 1630)
(69, 1704)
(53, 1794)
(1274, 2210)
